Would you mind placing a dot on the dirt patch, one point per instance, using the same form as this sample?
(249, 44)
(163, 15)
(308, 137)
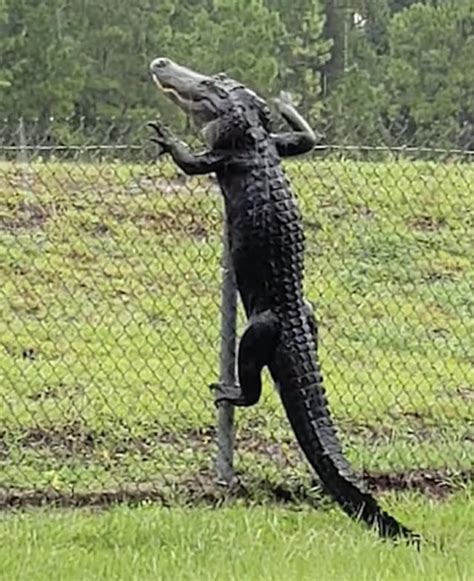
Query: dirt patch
(426, 223)
(195, 490)
(255, 451)
(64, 442)
(204, 489)
(172, 186)
(14, 499)
(363, 211)
(340, 212)
(464, 393)
(77, 440)
(24, 216)
(435, 483)
(312, 226)
(449, 274)
(184, 222)
(164, 186)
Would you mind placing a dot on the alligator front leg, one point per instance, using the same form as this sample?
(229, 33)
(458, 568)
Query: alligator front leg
(190, 163)
(255, 351)
(302, 139)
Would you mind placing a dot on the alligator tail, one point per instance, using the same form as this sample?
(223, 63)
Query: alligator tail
(309, 416)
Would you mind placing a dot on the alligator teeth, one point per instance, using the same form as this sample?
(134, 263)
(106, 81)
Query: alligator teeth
(162, 87)
(157, 82)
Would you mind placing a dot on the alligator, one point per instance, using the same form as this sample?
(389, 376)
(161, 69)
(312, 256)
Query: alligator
(266, 243)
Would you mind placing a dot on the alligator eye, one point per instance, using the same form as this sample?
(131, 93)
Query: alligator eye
(207, 82)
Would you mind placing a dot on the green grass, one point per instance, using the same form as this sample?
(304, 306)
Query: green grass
(260, 543)
(109, 333)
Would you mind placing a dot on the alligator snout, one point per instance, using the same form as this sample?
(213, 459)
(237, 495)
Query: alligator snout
(166, 74)
(159, 63)
(172, 76)
(193, 92)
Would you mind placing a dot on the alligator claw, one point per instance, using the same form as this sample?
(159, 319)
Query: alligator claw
(227, 393)
(286, 97)
(284, 101)
(164, 138)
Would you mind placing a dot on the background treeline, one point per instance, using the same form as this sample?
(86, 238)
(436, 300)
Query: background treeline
(364, 71)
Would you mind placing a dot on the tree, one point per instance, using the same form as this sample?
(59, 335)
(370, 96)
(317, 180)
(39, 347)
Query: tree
(398, 5)
(336, 29)
(39, 58)
(429, 79)
(4, 73)
(353, 107)
(371, 19)
(119, 39)
(390, 64)
(237, 36)
(354, 111)
(302, 50)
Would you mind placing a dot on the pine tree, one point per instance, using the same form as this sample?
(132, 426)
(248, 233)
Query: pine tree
(236, 36)
(302, 50)
(39, 59)
(429, 79)
(119, 39)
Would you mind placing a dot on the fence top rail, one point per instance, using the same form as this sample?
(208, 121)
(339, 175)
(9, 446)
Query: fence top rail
(320, 148)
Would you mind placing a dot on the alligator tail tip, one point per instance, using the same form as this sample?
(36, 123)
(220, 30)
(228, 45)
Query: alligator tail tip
(399, 534)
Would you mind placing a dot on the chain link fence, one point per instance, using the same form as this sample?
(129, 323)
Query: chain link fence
(118, 311)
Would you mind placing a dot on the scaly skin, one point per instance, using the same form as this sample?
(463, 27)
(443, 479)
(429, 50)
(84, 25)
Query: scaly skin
(267, 248)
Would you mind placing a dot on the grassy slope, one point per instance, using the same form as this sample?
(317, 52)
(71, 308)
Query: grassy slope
(233, 543)
(109, 288)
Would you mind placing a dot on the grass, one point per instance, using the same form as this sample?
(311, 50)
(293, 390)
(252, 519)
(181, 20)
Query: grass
(261, 543)
(109, 335)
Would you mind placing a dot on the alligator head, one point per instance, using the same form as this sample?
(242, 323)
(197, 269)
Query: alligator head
(224, 110)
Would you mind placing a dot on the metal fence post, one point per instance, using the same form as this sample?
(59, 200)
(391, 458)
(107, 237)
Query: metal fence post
(22, 155)
(225, 414)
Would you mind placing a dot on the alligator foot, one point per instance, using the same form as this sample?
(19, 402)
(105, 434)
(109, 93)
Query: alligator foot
(163, 136)
(232, 394)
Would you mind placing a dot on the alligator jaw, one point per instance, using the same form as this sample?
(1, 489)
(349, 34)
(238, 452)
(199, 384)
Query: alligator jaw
(193, 92)
(170, 90)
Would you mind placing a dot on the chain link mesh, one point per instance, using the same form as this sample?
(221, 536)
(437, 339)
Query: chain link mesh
(110, 289)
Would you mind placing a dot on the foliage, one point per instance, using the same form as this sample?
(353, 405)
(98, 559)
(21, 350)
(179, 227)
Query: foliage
(237, 36)
(428, 77)
(118, 38)
(302, 50)
(401, 65)
(39, 58)
(418, 91)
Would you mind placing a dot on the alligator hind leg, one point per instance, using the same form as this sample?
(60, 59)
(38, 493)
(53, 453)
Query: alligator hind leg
(255, 350)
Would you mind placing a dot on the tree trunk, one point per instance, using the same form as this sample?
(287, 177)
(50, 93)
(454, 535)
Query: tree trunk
(336, 28)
